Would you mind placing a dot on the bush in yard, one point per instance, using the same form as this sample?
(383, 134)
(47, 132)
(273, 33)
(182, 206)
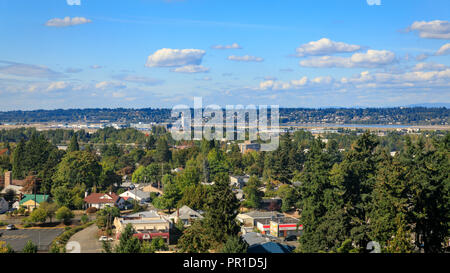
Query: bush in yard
(64, 214)
(91, 210)
(84, 219)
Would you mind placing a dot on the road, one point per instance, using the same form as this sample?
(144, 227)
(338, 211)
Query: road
(88, 240)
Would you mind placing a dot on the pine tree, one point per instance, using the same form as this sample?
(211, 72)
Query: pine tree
(18, 170)
(222, 209)
(73, 145)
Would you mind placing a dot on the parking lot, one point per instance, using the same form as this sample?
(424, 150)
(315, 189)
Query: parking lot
(40, 237)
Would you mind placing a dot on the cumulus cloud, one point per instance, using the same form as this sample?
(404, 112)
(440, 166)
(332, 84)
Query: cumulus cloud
(280, 85)
(372, 58)
(444, 50)
(436, 29)
(67, 21)
(167, 57)
(27, 70)
(245, 58)
(191, 69)
(325, 46)
(232, 46)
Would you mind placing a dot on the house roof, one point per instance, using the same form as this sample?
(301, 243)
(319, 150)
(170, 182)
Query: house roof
(263, 214)
(255, 238)
(270, 247)
(186, 212)
(39, 198)
(101, 198)
(140, 194)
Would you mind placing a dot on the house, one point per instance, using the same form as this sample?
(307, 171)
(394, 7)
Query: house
(271, 203)
(32, 201)
(238, 181)
(102, 200)
(251, 218)
(4, 206)
(11, 184)
(148, 225)
(186, 215)
(136, 195)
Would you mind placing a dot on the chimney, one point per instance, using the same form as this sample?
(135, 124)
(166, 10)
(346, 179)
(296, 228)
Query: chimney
(8, 179)
(85, 194)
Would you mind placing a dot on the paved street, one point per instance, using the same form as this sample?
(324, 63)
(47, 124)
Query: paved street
(87, 238)
(40, 237)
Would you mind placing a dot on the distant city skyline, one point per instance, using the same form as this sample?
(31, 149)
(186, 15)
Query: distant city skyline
(160, 53)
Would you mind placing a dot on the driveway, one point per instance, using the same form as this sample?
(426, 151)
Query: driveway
(87, 240)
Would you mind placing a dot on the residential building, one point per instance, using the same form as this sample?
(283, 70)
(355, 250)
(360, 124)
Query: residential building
(4, 206)
(151, 188)
(32, 201)
(137, 195)
(11, 184)
(270, 247)
(148, 225)
(238, 181)
(186, 215)
(102, 200)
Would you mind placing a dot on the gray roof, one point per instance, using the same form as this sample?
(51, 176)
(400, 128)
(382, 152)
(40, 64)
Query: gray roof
(139, 193)
(263, 214)
(144, 214)
(186, 213)
(254, 238)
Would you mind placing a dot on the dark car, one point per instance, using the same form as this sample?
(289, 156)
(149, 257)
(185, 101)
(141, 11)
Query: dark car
(290, 238)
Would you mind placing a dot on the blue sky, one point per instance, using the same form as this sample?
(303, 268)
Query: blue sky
(160, 53)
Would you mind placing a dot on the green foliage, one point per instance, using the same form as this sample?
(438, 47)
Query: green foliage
(30, 247)
(73, 145)
(105, 217)
(64, 214)
(38, 215)
(127, 242)
(235, 244)
(196, 239)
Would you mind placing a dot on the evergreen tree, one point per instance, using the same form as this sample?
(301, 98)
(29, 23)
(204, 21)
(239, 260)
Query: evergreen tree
(235, 244)
(30, 247)
(18, 168)
(222, 209)
(73, 145)
(127, 242)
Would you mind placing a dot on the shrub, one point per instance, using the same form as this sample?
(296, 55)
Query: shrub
(84, 219)
(64, 214)
(91, 210)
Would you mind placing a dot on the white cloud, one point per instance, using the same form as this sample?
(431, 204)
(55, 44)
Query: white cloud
(245, 58)
(429, 67)
(279, 85)
(95, 66)
(372, 58)
(191, 69)
(55, 86)
(232, 46)
(27, 70)
(444, 50)
(432, 30)
(167, 57)
(109, 85)
(67, 21)
(325, 46)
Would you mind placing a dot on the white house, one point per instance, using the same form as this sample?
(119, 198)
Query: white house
(102, 200)
(136, 194)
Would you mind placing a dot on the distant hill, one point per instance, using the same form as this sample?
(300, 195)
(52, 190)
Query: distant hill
(431, 105)
(398, 115)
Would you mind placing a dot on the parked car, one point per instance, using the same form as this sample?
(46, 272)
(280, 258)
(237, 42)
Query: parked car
(290, 238)
(105, 238)
(11, 227)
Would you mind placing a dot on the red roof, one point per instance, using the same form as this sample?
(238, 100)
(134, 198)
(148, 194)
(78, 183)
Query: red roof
(99, 198)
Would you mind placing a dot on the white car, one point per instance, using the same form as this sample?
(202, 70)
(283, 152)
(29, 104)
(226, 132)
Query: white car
(105, 238)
